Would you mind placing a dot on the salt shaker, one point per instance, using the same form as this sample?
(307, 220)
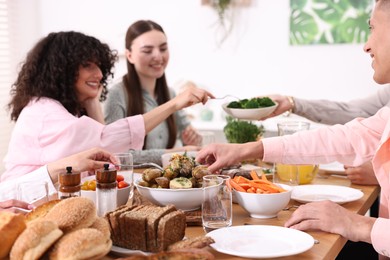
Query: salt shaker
(106, 190)
(69, 184)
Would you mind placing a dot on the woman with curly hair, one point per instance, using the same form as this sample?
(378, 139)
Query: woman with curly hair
(144, 87)
(55, 103)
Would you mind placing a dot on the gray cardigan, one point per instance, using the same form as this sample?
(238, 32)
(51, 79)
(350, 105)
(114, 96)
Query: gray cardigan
(116, 108)
(333, 112)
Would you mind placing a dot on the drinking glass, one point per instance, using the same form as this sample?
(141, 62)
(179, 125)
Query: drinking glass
(33, 192)
(125, 168)
(207, 137)
(217, 202)
(291, 174)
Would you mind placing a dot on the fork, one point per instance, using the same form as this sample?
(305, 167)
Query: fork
(226, 97)
(144, 165)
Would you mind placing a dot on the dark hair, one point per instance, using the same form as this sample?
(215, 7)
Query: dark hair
(51, 70)
(133, 85)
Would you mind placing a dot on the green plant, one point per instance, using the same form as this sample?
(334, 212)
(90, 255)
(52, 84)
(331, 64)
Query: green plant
(329, 21)
(237, 131)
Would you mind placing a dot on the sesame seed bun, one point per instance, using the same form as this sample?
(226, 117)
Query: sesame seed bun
(86, 243)
(73, 213)
(33, 242)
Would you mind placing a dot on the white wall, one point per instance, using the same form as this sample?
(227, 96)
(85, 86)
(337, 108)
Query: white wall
(255, 60)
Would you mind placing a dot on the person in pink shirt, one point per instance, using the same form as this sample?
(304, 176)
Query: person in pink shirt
(55, 103)
(88, 160)
(354, 143)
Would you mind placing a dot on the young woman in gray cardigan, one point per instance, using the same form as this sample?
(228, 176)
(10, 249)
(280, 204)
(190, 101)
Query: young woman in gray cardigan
(144, 87)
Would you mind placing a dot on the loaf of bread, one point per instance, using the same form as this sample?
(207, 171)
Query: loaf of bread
(146, 227)
(11, 226)
(41, 211)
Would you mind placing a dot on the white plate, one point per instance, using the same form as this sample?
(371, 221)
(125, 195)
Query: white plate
(332, 167)
(127, 252)
(338, 194)
(249, 113)
(260, 241)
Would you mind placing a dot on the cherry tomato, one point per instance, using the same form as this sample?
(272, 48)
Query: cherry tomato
(122, 184)
(120, 178)
(92, 185)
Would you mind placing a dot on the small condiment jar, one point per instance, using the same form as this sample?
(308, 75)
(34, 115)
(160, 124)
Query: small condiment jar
(69, 184)
(106, 190)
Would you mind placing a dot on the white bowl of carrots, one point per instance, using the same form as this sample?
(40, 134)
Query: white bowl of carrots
(260, 197)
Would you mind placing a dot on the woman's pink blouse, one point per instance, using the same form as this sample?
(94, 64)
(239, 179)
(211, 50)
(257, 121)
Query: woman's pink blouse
(352, 144)
(45, 131)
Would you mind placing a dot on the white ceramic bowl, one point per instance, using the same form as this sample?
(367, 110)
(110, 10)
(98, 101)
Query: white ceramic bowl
(249, 113)
(184, 199)
(167, 156)
(264, 205)
(122, 194)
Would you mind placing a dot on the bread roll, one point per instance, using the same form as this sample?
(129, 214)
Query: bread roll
(41, 211)
(33, 242)
(11, 225)
(194, 242)
(73, 213)
(102, 225)
(187, 254)
(86, 243)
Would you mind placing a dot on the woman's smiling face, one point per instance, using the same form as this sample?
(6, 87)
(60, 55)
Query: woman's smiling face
(88, 81)
(149, 53)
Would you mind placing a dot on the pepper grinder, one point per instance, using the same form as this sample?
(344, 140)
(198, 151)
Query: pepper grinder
(106, 190)
(69, 184)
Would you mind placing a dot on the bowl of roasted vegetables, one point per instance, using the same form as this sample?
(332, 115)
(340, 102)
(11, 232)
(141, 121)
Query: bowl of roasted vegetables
(250, 109)
(179, 183)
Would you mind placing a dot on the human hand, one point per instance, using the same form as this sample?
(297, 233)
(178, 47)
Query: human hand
(331, 217)
(88, 160)
(15, 206)
(93, 106)
(362, 175)
(217, 156)
(283, 105)
(190, 136)
(191, 95)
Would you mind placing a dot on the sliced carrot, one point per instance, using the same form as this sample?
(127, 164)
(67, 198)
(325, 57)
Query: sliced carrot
(254, 175)
(261, 181)
(256, 185)
(236, 186)
(241, 179)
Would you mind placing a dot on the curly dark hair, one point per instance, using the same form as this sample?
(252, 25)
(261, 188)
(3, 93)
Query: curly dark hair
(133, 86)
(51, 70)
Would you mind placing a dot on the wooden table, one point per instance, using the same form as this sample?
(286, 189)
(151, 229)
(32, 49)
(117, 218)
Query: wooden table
(329, 244)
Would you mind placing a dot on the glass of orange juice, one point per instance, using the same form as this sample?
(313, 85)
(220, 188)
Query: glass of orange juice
(293, 174)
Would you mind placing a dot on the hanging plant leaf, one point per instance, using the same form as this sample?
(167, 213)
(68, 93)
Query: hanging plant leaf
(303, 28)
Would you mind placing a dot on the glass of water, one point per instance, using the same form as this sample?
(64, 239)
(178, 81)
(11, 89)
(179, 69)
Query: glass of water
(217, 202)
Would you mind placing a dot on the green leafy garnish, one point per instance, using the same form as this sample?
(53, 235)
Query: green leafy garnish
(237, 131)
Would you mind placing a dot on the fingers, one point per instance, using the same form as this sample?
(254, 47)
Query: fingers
(9, 204)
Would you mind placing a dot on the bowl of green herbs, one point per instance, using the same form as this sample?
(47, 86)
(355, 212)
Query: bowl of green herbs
(250, 109)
